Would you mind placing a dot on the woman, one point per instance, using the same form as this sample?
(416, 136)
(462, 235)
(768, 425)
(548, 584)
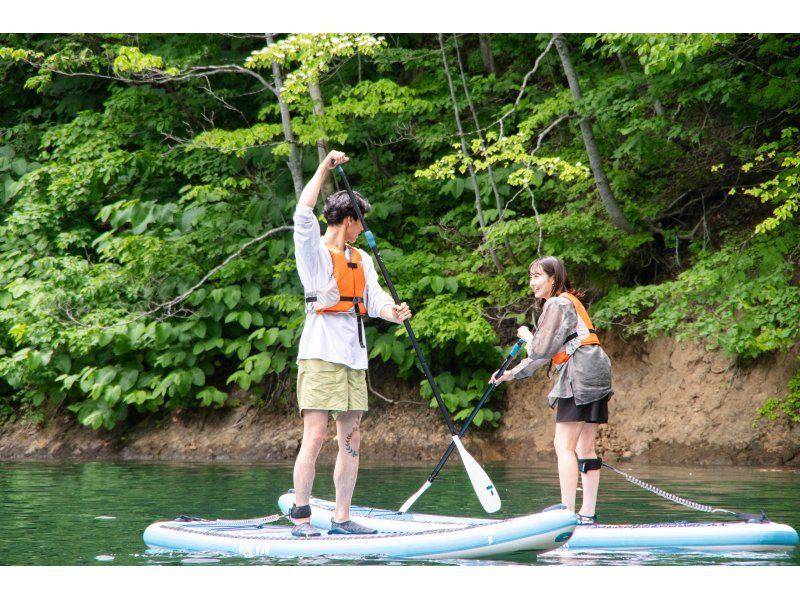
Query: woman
(582, 389)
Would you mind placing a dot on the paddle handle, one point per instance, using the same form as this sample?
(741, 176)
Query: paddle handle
(515, 349)
(373, 246)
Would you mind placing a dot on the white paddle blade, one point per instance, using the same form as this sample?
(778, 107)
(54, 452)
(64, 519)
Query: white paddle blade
(487, 494)
(407, 505)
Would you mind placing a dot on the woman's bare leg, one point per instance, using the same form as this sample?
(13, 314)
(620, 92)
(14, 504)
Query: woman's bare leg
(591, 479)
(565, 441)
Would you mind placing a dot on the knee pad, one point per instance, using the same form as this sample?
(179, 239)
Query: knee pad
(300, 512)
(586, 465)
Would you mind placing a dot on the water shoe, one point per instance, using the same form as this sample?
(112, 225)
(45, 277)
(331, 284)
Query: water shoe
(350, 527)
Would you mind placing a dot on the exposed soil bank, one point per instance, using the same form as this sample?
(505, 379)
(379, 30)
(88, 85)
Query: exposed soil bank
(673, 404)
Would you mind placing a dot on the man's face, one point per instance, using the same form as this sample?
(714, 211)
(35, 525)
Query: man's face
(353, 228)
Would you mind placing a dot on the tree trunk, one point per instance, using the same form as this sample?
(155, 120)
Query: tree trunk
(465, 150)
(486, 54)
(322, 145)
(295, 162)
(595, 162)
(500, 217)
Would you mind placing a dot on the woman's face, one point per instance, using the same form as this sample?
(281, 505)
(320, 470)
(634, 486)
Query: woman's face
(541, 283)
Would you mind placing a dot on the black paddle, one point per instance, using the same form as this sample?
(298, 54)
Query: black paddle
(407, 505)
(480, 481)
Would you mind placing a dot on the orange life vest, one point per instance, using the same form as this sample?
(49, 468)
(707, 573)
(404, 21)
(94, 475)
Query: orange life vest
(349, 277)
(563, 357)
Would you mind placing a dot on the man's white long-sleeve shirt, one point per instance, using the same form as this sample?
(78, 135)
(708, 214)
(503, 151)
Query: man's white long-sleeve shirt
(331, 336)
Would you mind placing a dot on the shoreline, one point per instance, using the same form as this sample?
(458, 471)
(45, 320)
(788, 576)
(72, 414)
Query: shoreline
(674, 404)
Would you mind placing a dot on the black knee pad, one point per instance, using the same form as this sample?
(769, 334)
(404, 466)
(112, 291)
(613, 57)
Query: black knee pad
(300, 512)
(585, 465)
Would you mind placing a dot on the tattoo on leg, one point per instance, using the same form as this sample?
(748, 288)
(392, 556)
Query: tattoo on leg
(353, 453)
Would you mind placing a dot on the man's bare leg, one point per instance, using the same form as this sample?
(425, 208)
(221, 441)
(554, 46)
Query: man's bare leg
(315, 423)
(346, 470)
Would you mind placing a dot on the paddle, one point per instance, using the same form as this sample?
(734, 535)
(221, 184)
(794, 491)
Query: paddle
(413, 498)
(480, 481)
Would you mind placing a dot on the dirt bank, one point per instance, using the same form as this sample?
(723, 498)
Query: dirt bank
(673, 404)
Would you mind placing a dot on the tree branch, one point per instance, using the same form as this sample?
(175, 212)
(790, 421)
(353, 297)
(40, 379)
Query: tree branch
(160, 77)
(524, 84)
(168, 306)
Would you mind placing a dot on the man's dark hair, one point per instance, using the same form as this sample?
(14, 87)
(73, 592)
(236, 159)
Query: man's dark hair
(338, 207)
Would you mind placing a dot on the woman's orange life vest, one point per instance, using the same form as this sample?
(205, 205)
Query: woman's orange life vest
(349, 277)
(563, 357)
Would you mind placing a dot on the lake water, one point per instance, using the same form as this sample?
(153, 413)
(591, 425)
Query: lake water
(94, 513)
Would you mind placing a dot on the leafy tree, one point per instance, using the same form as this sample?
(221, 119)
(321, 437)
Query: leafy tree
(147, 184)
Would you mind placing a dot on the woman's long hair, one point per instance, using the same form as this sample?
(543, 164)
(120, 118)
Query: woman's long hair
(552, 266)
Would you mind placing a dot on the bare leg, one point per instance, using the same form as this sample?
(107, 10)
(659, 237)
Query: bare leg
(591, 479)
(566, 438)
(315, 422)
(346, 470)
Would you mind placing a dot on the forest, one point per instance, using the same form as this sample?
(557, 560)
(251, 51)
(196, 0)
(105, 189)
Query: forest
(148, 183)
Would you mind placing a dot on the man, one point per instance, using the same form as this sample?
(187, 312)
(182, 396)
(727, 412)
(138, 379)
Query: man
(341, 286)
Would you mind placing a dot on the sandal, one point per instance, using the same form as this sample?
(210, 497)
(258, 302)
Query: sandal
(587, 519)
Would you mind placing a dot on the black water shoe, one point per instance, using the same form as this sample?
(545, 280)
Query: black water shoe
(350, 527)
(305, 530)
(587, 519)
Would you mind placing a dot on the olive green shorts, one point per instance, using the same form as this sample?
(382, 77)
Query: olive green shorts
(330, 386)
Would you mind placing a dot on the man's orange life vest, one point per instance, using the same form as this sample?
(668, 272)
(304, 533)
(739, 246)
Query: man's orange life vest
(351, 281)
(563, 357)
(349, 277)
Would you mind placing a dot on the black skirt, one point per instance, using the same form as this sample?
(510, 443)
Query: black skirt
(595, 412)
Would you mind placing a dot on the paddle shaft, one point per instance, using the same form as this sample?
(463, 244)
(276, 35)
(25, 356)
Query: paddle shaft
(371, 241)
(477, 408)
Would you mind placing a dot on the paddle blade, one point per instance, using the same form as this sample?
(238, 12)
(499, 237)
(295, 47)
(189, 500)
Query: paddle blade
(407, 505)
(487, 494)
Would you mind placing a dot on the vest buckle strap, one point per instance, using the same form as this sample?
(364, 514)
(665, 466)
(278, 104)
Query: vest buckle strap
(359, 320)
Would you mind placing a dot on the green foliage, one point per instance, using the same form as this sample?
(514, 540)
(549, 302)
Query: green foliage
(661, 52)
(784, 188)
(460, 392)
(131, 60)
(741, 298)
(131, 166)
(447, 323)
(787, 406)
(313, 54)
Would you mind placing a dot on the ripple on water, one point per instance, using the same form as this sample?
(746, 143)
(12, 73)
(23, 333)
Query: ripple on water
(39, 502)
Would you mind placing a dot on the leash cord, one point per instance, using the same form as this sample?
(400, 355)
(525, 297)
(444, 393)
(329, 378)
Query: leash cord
(673, 497)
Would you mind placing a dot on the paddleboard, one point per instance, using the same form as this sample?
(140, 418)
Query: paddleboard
(730, 536)
(262, 538)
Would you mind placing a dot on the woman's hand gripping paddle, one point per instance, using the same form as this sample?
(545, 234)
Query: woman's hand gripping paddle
(489, 494)
(480, 481)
